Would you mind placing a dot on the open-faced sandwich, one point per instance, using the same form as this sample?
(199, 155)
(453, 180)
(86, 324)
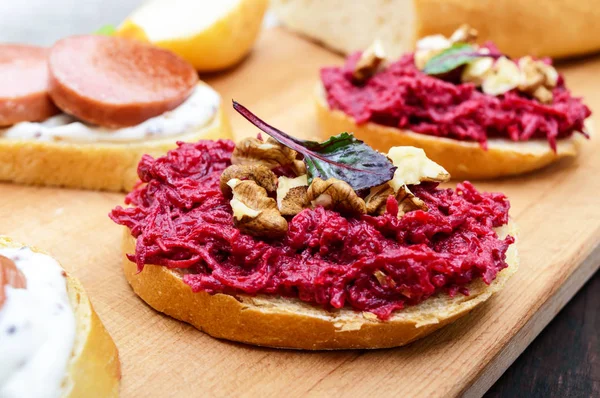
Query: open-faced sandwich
(120, 99)
(473, 110)
(52, 343)
(298, 244)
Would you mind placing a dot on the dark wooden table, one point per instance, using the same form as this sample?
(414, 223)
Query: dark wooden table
(564, 360)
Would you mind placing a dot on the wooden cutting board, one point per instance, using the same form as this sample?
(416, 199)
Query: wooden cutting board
(557, 209)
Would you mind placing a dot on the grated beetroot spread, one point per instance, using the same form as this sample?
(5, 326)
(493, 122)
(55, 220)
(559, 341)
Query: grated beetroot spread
(181, 220)
(404, 97)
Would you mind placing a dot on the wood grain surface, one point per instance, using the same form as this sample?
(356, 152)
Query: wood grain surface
(564, 360)
(557, 210)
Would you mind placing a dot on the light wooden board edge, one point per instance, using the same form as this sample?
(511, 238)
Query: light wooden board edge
(532, 328)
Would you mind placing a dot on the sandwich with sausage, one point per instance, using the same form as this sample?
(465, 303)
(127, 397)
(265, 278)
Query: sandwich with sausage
(82, 113)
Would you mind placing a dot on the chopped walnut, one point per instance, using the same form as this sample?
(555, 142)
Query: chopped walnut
(413, 167)
(336, 195)
(258, 173)
(292, 195)
(505, 76)
(252, 151)
(428, 47)
(550, 74)
(543, 95)
(376, 200)
(407, 201)
(369, 62)
(531, 76)
(537, 79)
(464, 34)
(254, 212)
(477, 71)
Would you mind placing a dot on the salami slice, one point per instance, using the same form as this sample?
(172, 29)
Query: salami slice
(116, 82)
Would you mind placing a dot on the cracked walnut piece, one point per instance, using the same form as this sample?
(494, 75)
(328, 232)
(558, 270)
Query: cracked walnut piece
(369, 62)
(292, 195)
(376, 201)
(430, 46)
(270, 153)
(464, 34)
(336, 195)
(414, 167)
(254, 212)
(258, 173)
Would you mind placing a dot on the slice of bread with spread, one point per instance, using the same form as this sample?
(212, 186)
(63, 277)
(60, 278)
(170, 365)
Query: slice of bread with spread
(296, 244)
(110, 166)
(462, 159)
(114, 110)
(72, 352)
(472, 109)
(289, 323)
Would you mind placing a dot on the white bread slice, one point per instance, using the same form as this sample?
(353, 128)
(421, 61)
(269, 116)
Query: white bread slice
(94, 368)
(290, 323)
(100, 166)
(561, 28)
(462, 159)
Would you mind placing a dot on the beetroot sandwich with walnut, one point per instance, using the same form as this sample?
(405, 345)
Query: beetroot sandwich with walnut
(474, 110)
(290, 243)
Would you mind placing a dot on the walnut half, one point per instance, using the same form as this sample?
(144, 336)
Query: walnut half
(270, 153)
(336, 195)
(413, 167)
(254, 212)
(369, 62)
(292, 195)
(537, 79)
(258, 173)
(464, 34)
(376, 200)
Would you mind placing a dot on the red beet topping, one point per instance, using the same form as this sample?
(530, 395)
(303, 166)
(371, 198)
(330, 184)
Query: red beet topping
(181, 220)
(404, 97)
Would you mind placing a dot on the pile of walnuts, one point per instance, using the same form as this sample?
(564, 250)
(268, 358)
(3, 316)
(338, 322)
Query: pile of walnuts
(494, 76)
(260, 200)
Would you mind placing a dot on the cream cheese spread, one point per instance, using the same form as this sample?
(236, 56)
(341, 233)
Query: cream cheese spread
(197, 111)
(37, 328)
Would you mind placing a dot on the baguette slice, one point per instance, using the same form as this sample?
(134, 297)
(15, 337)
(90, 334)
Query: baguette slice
(462, 159)
(290, 323)
(100, 166)
(561, 28)
(94, 368)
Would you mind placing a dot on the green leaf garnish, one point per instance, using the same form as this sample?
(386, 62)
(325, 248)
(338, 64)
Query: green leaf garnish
(343, 156)
(106, 30)
(457, 55)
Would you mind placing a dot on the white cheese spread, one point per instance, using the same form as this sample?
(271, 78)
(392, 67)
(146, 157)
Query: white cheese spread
(196, 112)
(37, 328)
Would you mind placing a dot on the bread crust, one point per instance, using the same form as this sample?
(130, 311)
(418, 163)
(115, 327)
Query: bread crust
(99, 166)
(289, 323)
(462, 159)
(94, 365)
(563, 28)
